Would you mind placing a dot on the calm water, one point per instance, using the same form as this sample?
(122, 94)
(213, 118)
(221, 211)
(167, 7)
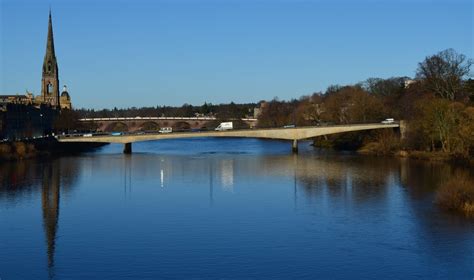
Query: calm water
(228, 208)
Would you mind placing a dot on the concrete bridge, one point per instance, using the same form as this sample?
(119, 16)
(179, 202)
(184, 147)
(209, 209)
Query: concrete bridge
(292, 134)
(134, 124)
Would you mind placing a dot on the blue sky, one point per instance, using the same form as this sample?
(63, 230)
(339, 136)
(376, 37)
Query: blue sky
(148, 53)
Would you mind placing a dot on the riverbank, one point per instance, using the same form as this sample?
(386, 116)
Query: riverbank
(375, 148)
(44, 147)
(457, 195)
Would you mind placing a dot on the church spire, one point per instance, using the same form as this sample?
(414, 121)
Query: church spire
(50, 80)
(50, 41)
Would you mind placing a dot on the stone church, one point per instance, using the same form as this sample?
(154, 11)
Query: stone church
(49, 83)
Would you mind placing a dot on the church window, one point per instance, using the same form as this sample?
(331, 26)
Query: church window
(50, 88)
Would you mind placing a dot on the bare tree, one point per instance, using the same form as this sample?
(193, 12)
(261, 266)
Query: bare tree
(444, 72)
(310, 110)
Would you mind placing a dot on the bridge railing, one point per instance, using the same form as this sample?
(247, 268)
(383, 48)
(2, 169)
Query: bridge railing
(157, 118)
(332, 125)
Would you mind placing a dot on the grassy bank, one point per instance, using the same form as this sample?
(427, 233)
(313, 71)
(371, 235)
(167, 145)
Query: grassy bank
(17, 150)
(457, 195)
(375, 148)
(20, 150)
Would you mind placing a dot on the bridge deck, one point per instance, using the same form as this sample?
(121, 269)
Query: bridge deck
(298, 133)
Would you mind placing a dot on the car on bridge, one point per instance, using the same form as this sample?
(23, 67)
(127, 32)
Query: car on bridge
(388, 121)
(165, 130)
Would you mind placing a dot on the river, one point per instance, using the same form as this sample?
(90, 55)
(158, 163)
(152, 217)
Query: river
(229, 208)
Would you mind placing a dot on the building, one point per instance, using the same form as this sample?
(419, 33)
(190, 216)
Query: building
(20, 121)
(27, 99)
(49, 82)
(65, 99)
(409, 82)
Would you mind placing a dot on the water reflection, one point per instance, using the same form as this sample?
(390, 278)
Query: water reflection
(50, 206)
(335, 186)
(19, 181)
(227, 174)
(355, 179)
(358, 179)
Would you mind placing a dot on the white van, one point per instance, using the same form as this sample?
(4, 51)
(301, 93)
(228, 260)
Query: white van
(165, 130)
(224, 126)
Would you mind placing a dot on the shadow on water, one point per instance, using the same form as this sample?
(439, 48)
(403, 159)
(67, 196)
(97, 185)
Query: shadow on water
(356, 183)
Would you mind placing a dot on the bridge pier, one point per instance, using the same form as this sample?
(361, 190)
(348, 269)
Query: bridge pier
(127, 148)
(294, 146)
(403, 130)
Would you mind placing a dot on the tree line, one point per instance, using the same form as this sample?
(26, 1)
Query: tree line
(437, 106)
(231, 110)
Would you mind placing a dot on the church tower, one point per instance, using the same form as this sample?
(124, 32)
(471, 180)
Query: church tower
(50, 80)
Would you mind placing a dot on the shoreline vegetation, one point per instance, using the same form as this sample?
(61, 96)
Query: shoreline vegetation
(385, 143)
(457, 195)
(45, 147)
(374, 148)
(17, 150)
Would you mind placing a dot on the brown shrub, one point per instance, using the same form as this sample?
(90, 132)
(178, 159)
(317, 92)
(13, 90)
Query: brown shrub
(5, 149)
(388, 140)
(457, 194)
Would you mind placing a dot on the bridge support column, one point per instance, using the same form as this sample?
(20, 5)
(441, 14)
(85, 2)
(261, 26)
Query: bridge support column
(403, 130)
(294, 146)
(127, 148)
